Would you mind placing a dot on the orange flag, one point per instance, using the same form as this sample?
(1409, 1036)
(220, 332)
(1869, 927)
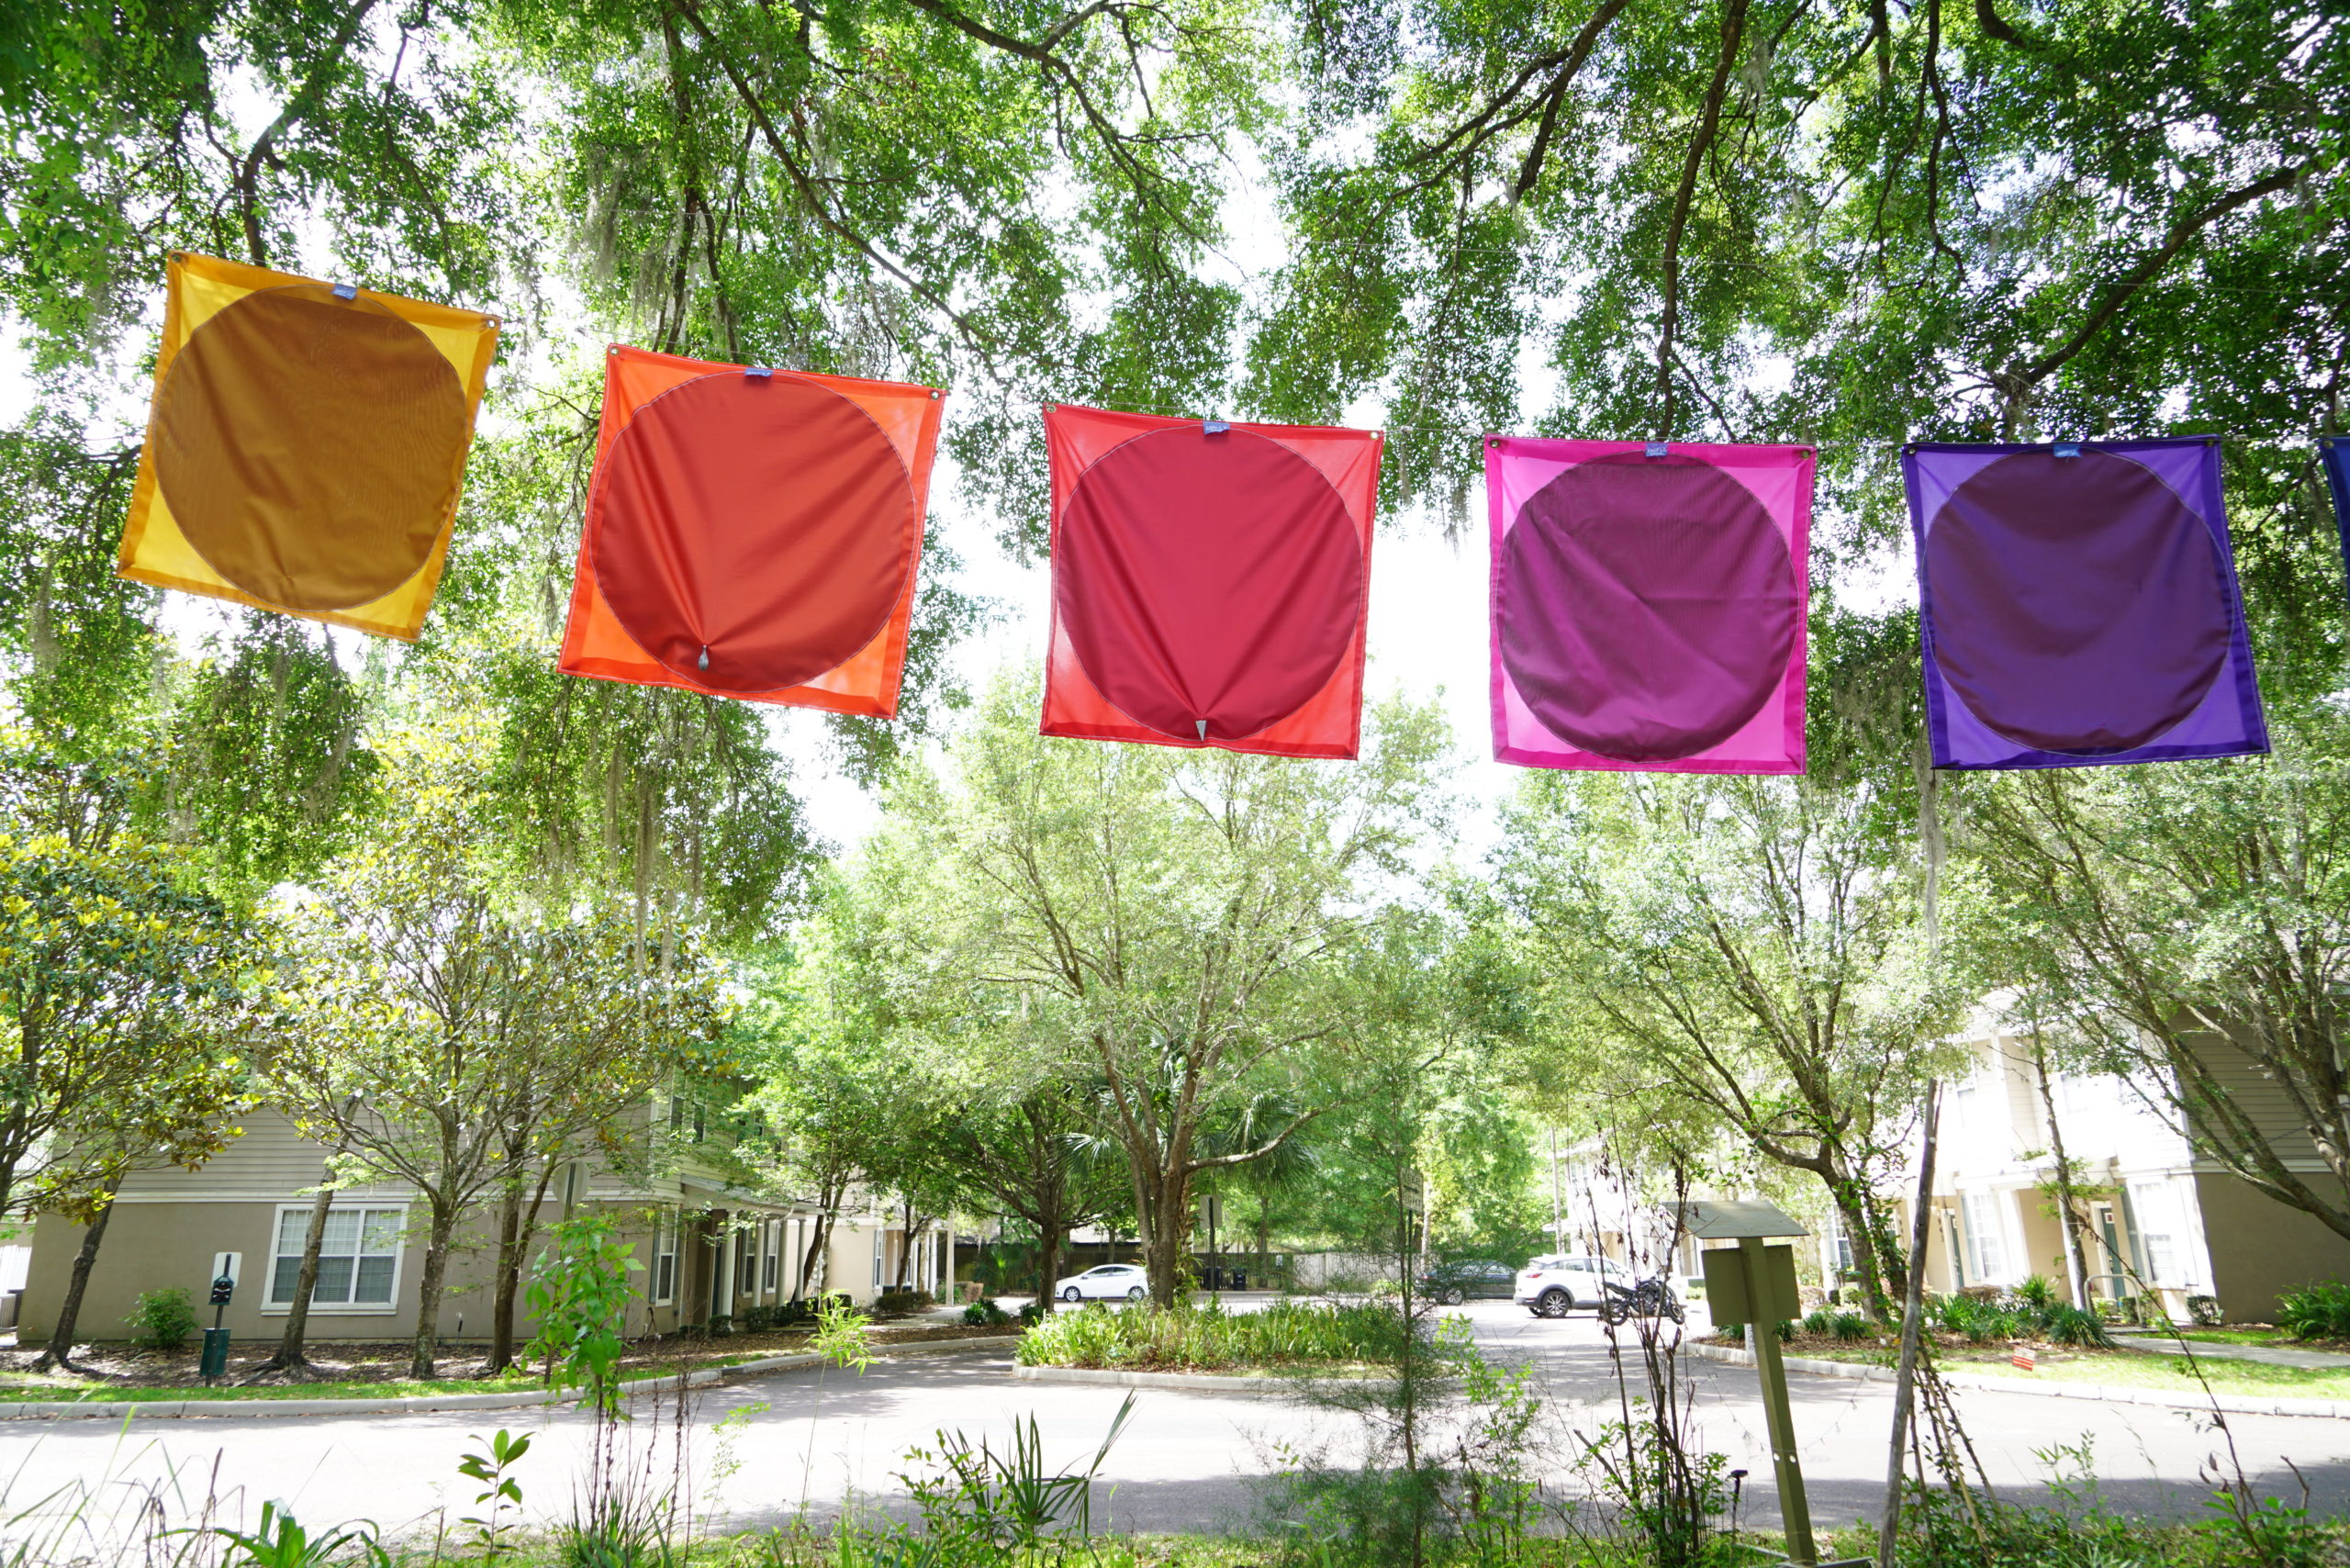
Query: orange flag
(306, 444)
(753, 532)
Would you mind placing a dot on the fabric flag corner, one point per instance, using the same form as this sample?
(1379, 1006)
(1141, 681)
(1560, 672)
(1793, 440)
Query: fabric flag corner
(306, 446)
(2078, 605)
(1649, 604)
(753, 532)
(1210, 579)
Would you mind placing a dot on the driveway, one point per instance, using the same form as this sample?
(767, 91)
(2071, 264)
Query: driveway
(768, 1448)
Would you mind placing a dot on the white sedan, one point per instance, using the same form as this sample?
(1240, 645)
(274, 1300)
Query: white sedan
(1111, 1282)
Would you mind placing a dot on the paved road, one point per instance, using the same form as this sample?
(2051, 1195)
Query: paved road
(1188, 1462)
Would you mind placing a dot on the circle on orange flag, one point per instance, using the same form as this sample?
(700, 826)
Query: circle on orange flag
(307, 446)
(1215, 578)
(751, 532)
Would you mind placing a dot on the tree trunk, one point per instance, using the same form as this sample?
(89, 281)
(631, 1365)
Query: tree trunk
(1048, 1265)
(812, 1261)
(517, 1225)
(60, 1352)
(428, 1291)
(1264, 1239)
(1853, 1213)
(1163, 1246)
(1913, 1315)
(906, 1244)
(2068, 1217)
(290, 1356)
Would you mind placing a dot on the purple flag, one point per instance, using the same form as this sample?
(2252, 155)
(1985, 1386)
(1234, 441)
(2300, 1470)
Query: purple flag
(2077, 605)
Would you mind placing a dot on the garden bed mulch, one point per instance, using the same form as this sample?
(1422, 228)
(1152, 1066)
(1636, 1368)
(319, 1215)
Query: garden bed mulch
(343, 1362)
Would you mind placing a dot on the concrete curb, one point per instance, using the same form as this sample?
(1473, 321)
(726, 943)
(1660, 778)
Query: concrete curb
(2227, 1404)
(700, 1377)
(1195, 1383)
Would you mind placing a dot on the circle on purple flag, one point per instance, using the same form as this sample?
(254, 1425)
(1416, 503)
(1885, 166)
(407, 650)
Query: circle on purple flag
(1207, 577)
(2076, 604)
(1647, 608)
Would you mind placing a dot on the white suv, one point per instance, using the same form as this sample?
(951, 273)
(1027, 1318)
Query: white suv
(1552, 1287)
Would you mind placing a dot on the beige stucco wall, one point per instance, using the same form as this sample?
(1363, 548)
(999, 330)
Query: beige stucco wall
(2259, 1248)
(153, 1246)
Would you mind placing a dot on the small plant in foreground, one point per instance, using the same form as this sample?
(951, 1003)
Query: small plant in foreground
(164, 1318)
(491, 1464)
(840, 1337)
(280, 1541)
(580, 1295)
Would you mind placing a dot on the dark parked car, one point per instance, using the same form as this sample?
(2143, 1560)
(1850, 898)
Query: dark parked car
(1470, 1279)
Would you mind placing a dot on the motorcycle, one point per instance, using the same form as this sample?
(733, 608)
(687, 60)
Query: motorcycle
(1648, 1298)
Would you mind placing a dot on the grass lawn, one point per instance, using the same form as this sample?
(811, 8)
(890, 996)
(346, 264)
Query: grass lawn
(2123, 1368)
(21, 1387)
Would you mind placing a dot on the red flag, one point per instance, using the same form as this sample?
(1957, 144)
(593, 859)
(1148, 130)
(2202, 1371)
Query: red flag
(1209, 582)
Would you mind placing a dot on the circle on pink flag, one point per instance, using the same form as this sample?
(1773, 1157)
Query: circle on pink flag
(1647, 607)
(1215, 578)
(2075, 604)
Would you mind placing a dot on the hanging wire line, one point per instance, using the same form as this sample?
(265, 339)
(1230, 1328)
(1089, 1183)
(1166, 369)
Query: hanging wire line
(2240, 438)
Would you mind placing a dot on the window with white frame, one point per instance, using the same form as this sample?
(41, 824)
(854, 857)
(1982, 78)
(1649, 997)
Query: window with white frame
(771, 1253)
(359, 1257)
(877, 1235)
(746, 1261)
(2161, 1257)
(665, 1257)
(1840, 1244)
(1986, 1241)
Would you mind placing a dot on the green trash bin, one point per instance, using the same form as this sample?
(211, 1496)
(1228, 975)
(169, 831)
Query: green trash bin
(214, 1361)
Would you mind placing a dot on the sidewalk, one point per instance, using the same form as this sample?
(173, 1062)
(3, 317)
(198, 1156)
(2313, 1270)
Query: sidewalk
(2158, 1343)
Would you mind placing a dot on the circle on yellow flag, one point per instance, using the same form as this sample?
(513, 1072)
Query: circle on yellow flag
(308, 446)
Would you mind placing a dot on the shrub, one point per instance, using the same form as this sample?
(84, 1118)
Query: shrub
(1820, 1323)
(2319, 1311)
(2073, 1325)
(2035, 1294)
(984, 1314)
(1202, 1336)
(2204, 1312)
(164, 1318)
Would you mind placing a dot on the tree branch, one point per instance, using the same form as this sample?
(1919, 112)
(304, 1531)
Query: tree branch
(304, 99)
(1709, 119)
(2118, 292)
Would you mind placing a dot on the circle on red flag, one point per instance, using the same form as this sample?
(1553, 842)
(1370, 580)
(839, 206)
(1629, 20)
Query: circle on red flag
(2076, 604)
(1647, 607)
(751, 532)
(306, 446)
(1207, 577)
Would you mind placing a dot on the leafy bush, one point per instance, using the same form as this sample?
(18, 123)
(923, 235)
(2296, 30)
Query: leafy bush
(580, 1295)
(984, 1314)
(164, 1318)
(2204, 1312)
(2075, 1326)
(2035, 1294)
(2319, 1311)
(1202, 1336)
